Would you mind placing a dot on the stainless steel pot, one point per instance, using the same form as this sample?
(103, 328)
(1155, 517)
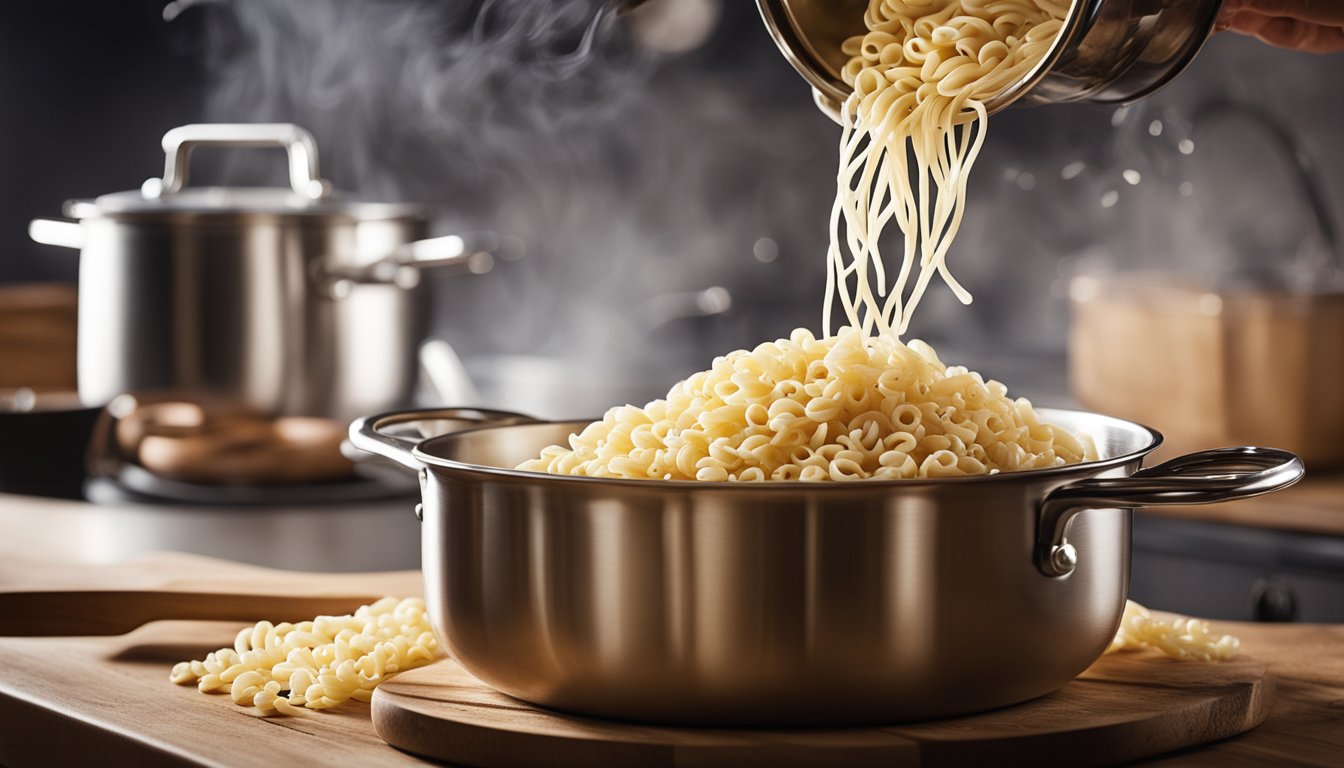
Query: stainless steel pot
(1108, 50)
(295, 301)
(782, 603)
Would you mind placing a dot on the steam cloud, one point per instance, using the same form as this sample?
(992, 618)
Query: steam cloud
(632, 174)
(628, 173)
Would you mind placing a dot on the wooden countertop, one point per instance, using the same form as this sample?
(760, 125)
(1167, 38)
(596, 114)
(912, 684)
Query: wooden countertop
(107, 700)
(110, 702)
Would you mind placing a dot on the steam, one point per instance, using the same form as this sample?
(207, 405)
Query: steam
(407, 90)
(642, 175)
(632, 178)
(1162, 185)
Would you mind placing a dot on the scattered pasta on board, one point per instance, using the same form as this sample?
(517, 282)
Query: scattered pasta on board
(1179, 638)
(282, 668)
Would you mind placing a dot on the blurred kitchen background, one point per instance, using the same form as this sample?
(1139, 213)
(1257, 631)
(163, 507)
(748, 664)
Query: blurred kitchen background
(663, 183)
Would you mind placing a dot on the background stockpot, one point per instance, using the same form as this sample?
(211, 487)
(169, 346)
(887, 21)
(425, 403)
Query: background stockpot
(292, 301)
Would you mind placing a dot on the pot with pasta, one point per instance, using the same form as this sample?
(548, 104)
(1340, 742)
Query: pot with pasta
(1108, 51)
(832, 529)
(816, 531)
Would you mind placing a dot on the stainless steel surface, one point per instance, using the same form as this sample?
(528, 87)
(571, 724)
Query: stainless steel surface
(299, 146)
(240, 311)
(403, 266)
(1206, 477)
(1107, 51)
(66, 234)
(740, 603)
(294, 301)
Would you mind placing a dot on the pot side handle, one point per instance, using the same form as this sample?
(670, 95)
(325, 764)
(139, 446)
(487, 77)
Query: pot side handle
(1206, 477)
(375, 434)
(474, 253)
(58, 232)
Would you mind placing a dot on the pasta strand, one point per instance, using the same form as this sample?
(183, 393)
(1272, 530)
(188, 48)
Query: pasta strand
(920, 77)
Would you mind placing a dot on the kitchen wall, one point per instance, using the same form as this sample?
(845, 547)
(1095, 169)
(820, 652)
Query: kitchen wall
(650, 163)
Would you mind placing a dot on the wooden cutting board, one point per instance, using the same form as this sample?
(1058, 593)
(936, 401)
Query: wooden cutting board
(107, 700)
(1125, 707)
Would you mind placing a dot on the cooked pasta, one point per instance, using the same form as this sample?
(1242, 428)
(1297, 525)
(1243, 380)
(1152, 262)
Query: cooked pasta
(1185, 639)
(920, 77)
(847, 407)
(316, 664)
(861, 404)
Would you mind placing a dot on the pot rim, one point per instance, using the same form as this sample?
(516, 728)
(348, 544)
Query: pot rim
(431, 461)
(219, 204)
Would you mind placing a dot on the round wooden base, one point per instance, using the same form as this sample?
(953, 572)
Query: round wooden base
(1125, 707)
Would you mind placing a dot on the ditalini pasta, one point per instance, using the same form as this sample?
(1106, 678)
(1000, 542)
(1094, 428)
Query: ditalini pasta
(1185, 639)
(846, 407)
(920, 77)
(316, 664)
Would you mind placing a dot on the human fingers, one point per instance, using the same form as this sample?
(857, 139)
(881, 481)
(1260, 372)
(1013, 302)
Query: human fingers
(1287, 33)
(1329, 13)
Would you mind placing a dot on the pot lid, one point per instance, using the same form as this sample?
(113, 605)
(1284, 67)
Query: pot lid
(308, 193)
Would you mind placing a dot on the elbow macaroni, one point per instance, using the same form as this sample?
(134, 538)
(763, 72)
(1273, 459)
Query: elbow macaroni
(1184, 639)
(848, 407)
(857, 406)
(316, 664)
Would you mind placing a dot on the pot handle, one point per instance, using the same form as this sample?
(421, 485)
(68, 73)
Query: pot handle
(374, 434)
(59, 232)
(1220, 474)
(402, 267)
(299, 145)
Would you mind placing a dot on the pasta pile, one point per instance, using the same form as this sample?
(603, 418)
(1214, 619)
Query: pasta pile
(920, 77)
(861, 404)
(1185, 639)
(316, 664)
(847, 407)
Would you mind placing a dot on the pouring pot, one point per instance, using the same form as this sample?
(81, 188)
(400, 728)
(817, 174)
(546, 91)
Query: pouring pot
(782, 603)
(294, 301)
(1107, 51)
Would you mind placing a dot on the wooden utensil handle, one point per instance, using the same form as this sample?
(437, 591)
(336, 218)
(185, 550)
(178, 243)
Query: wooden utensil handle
(49, 598)
(115, 612)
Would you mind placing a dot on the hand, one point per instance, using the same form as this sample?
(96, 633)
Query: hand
(1316, 26)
